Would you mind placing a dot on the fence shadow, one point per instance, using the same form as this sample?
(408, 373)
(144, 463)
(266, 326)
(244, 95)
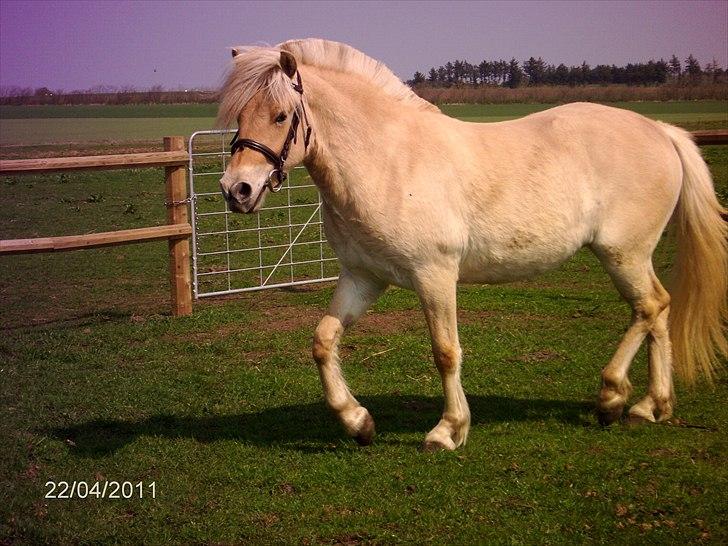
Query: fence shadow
(310, 427)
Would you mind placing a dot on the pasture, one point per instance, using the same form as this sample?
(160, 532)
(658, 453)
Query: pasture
(48, 125)
(223, 410)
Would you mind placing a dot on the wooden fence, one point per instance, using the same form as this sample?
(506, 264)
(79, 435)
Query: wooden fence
(707, 138)
(177, 232)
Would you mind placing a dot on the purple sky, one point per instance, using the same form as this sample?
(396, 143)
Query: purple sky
(76, 45)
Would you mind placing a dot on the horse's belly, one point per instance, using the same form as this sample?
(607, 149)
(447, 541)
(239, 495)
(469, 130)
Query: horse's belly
(494, 272)
(515, 260)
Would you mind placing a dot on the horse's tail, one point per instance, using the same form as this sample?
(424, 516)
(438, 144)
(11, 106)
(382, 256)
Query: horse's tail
(698, 310)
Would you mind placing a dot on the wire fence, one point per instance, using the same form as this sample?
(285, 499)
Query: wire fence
(281, 245)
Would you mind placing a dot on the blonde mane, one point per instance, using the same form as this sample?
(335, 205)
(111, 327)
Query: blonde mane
(256, 68)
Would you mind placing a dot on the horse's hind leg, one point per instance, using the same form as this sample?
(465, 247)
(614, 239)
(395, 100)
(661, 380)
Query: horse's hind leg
(437, 293)
(657, 405)
(636, 281)
(353, 295)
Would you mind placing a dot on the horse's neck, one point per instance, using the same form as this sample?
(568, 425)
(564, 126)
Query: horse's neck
(345, 148)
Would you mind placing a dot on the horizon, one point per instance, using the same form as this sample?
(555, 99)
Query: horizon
(185, 45)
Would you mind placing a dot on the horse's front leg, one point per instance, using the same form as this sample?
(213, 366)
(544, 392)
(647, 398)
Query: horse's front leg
(353, 295)
(437, 293)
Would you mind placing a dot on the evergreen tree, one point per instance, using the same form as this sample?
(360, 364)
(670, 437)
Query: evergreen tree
(449, 73)
(458, 71)
(561, 75)
(485, 71)
(602, 74)
(674, 67)
(471, 73)
(535, 70)
(692, 69)
(585, 73)
(515, 74)
(713, 71)
(500, 71)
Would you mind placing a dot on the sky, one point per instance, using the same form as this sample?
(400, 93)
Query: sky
(177, 44)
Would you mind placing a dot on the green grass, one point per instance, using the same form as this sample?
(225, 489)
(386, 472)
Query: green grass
(645, 108)
(210, 110)
(43, 125)
(223, 411)
(42, 131)
(691, 115)
(110, 111)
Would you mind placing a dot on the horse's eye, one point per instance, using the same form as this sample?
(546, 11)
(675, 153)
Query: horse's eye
(280, 118)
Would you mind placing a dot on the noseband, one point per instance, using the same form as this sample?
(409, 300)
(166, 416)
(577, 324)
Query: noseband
(277, 176)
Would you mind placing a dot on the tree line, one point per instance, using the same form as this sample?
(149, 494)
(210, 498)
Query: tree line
(536, 72)
(104, 94)
(454, 77)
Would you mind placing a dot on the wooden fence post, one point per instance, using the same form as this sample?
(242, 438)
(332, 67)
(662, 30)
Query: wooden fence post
(179, 249)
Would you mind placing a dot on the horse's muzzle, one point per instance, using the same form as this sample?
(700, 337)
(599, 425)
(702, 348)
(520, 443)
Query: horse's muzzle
(240, 198)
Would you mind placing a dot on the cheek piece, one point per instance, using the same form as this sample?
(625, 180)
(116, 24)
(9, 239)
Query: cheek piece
(278, 175)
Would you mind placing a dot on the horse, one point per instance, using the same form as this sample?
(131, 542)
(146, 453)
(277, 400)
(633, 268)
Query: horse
(417, 199)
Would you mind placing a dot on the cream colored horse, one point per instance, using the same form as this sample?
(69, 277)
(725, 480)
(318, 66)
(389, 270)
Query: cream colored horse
(417, 199)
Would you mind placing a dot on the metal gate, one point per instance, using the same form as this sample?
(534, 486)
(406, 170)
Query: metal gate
(281, 245)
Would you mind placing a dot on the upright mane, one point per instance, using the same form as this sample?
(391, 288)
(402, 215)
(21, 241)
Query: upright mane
(343, 57)
(256, 68)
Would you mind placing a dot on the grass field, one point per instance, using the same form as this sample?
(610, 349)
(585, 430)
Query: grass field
(222, 410)
(45, 125)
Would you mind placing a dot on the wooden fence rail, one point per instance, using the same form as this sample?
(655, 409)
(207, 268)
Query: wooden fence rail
(93, 162)
(177, 232)
(94, 240)
(706, 138)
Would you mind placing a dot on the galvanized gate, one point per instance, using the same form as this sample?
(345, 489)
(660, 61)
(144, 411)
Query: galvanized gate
(281, 245)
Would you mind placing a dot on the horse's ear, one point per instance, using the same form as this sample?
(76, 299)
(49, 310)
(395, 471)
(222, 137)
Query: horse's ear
(235, 52)
(288, 64)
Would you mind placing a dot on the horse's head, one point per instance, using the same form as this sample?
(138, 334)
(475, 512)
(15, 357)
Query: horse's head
(272, 124)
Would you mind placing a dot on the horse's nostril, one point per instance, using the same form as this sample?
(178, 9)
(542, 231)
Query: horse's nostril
(241, 192)
(245, 190)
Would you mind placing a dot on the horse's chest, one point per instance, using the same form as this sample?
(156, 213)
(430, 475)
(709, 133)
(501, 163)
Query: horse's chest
(359, 247)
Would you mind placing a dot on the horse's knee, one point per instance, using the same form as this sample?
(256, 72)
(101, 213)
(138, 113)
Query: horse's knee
(324, 338)
(447, 357)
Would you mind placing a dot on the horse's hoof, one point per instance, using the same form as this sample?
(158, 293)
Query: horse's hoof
(609, 416)
(365, 436)
(635, 420)
(433, 446)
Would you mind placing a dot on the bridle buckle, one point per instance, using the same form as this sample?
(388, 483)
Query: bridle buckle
(275, 181)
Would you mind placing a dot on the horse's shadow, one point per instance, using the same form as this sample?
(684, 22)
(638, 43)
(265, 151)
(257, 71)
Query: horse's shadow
(310, 427)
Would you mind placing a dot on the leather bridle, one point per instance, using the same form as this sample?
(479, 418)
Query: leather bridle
(278, 176)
